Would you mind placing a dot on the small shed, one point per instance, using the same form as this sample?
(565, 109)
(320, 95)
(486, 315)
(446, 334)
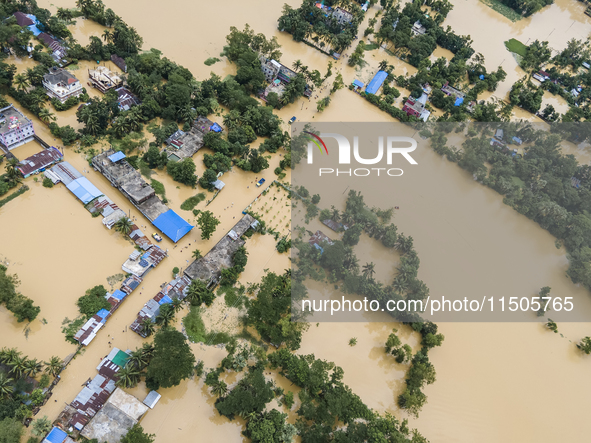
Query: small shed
(56, 435)
(84, 190)
(358, 84)
(151, 399)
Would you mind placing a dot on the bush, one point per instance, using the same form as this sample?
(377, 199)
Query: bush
(47, 183)
(93, 301)
(190, 203)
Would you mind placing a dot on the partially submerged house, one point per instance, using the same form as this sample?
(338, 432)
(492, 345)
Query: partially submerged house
(119, 62)
(15, 128)
(126, 99)
(415, 108)
(278, 75)
(120, 412)
(319, 240)
(58, 50)
(139, 264)
(38, 162)
(103, 79)
(376, 82)
(186, 144)
(453, 92)
(62, 85)
(418, 28)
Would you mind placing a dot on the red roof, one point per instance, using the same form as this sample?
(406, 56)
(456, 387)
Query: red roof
(72, 80)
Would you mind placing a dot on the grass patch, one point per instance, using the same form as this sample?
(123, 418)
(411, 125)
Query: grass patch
(517, 181)
(190, 203)
(15, 194)
(371, 47)
(516, 46)
(503, 9)
(144, 169)
(233, 297)
(197, 333)
(211, 61)
(158, 188)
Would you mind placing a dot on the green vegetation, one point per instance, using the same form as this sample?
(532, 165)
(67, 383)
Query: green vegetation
(183, 171)
(196, 331)
(516, 46)
(208, 223)
(70, 327)
(158, 188)
(21, 306)
(172, 360)
(190, 203)
(93, 301)
(137, 435)
(585, 345)
(520, 7)
(211, 61)
(503, 9)
(15, 194)
(47, 183)
(198, 294)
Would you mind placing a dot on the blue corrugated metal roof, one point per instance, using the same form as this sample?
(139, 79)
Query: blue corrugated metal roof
(172, 225)
(165, 300)
(459, 101)
(144, 263)
(56, 435)
(358, 83)
(119, 294)
(102, 313)
(116, 156)
(84, 190)
(376, 82)
(216, 128)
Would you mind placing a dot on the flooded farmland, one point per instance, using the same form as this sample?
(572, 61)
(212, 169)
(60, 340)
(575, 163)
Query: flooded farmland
(495, 382)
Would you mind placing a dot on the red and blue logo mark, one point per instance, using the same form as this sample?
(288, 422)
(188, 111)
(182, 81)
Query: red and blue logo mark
(315, 140)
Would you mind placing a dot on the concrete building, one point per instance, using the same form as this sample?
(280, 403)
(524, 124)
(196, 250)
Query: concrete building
(415, 108)
(62, 85)
(342, 16)
(118, 415)
(103, 79)
(15, 128)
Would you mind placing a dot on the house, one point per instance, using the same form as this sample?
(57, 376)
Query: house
(376, 82)
(103, 79)
(92, 397)
(126, 99)
(320, 239)
(278, 75)
(15, 128)
(499, 133)
(62, 85)
(38, 162)
(451, 91)
(337, 227)
(57, 49)
(22, 20)
(342, 16)
(140, 264)
(119, 62)
(415, 108)
(358, 85)
(418, 28)
(120, 412)
(586, 65)
(56, 435)
(112, 363)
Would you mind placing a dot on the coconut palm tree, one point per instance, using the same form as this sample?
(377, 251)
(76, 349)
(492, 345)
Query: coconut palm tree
(41, 426)
(12, 173)
(177, 304)
(33, 367)
(166, 315)
(400, 284)
(219, 388)
(6, 386)
(21, 81)
(8, 355)
(18, 366)
(54, 366)
(335, 215)
(148, 350)
(297, 65)
(369, 270)
(107, 35)
(123, 225)
(35, 77)
(197, 254)
(147, 327)
(127, 377)
(138, 359)
(46, 116)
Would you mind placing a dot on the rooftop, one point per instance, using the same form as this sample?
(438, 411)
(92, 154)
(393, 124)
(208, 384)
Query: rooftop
(39, 161)
(59, 76)
(10, 118)
(103, 79)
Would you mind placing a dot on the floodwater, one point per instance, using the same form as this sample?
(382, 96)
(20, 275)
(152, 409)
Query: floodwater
(495, 382)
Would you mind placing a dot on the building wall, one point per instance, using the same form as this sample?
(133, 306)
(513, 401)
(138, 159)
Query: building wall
(72, 90)
(17, 137)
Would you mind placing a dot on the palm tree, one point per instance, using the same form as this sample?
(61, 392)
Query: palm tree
(368, 270)
(12, 173)
(383, 65)
(35, 77)
(107, 35)
(18, 366)
(33, 367)
(41, 426)
(54, 366)
(123, 225)
(148, 350)
(9, 355)
(127, 377)
(400, 284)
(297, 65)
(336, 216)
(219, 388)
(6, 386)
(138, 359)
(166, 315)
(147, 327)
(21, 81)
(46, 116)
(197, 254)
(177, 304)
(347, 218)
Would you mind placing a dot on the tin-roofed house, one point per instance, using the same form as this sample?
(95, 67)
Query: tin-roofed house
(38, 162)
(62, 85)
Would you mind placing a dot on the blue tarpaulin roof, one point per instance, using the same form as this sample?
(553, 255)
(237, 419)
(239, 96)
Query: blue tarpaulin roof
(102, 313)
(84, 190)
(376, 82)
(119, 294)
(459, 101)
(116, 156)
(216, 128)
(165, 300)
(56, 435)
(172, 225)
(358, 83)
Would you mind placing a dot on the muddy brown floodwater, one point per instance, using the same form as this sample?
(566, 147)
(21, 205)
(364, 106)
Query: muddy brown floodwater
(495, 382)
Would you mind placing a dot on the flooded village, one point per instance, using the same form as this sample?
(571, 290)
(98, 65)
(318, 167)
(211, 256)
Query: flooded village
(93, 212)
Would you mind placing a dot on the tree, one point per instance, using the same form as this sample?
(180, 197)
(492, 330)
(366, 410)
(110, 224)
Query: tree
(208, 223)
(11, 430)
(208, 178)
(183, 171)
(123, 225)
(12, 172)
(33, 367)
(352, 235)
(172, 361)
(6, 386)
(369, 270)
(93, 301)
(54, 366)
(270, 427)
(585, 345)
(128, 376)
(219, 388)
(137, 435)
(197, 293)
(21, 81)
(251, 394)
(147, 327)
(166, 315)
(196, 254)
(46, 116)
(41, 426)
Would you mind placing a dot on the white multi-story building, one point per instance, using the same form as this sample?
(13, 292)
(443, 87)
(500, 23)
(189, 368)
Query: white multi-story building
(62, 85)
(15, 128)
